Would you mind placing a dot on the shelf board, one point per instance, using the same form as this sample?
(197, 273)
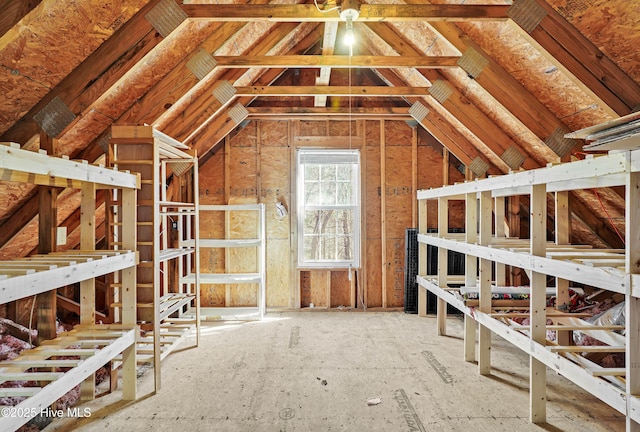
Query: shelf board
(223, 278)
(223, 243)
(176, 204)
(171, 303)
(169, 254)
(68, 268)
(58, 386)
(25, 166)
(609, 278)
(228, 313)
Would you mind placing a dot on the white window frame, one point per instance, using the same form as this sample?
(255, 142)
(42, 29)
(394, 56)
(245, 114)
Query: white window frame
(330, 156)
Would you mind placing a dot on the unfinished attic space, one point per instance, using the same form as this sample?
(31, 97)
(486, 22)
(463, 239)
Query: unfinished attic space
(318, 215)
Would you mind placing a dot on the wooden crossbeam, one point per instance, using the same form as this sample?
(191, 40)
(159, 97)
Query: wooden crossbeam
(368, 13)
(337, 61)
(366, 91)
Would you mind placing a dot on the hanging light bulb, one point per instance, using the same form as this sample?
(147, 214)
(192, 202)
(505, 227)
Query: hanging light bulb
(349, 13)
(348, 36)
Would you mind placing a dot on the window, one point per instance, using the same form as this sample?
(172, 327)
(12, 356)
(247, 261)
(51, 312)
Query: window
(328, 208)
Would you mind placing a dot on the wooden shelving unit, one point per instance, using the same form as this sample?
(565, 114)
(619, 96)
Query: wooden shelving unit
(88, 346)
(488, 250)
(257, 276)
(167, 238)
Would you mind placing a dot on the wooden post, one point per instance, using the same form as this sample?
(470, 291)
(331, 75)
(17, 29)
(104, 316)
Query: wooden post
(470, 272)
(383, 210)
(360, 275)
(443, 269)
(632, 304)
(47, 230)
(414, 175)
(227, 216)
(484, 289)
(422, 257)
(538, 316)
(500, 269)
(513, 222)
(563, 237)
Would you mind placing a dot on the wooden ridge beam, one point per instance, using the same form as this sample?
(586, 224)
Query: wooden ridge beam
(587, 66)
(337, 61)
(367, 91)
(368, 12)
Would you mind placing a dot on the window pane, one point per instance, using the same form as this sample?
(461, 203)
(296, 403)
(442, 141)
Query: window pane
(311, 251)
(344, 193)
(311, 193)
(344, 222)
(312, 172)
(344, 172)
(327, 193)
(329, 247)
(344, 251)
(312, 222)
(328, 172)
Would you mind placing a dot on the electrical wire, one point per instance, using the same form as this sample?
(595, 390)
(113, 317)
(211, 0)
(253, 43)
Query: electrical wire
(608, 216)
(581, 155)
(325, 10)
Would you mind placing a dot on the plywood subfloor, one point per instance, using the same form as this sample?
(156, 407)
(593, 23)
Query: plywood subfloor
(315, 371)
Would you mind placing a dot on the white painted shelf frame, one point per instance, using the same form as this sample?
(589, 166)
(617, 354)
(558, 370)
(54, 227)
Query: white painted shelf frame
(87, 347)
(614, 270)
(257, 277)
(162, 224)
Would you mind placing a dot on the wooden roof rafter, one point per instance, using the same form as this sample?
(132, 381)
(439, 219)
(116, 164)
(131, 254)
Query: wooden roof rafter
(448, 97)
(579, 58)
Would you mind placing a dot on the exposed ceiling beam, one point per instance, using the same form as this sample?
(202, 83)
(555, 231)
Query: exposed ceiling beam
(367, 91)
(328, 46)
(368, 12)
(333, 112)
(338, 61)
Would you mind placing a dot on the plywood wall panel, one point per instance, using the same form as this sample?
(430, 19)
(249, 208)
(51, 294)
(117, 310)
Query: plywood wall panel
(318, 281)
(374, 272)
(397, 133)
(211, 180)
(274, 188)
(243, 178)
(279, 291)
(340, 289)
(372, 133)
(313, 128)
(399, 200)
(373, 235)
(274, 133)
(212, 295)
(372, 189)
